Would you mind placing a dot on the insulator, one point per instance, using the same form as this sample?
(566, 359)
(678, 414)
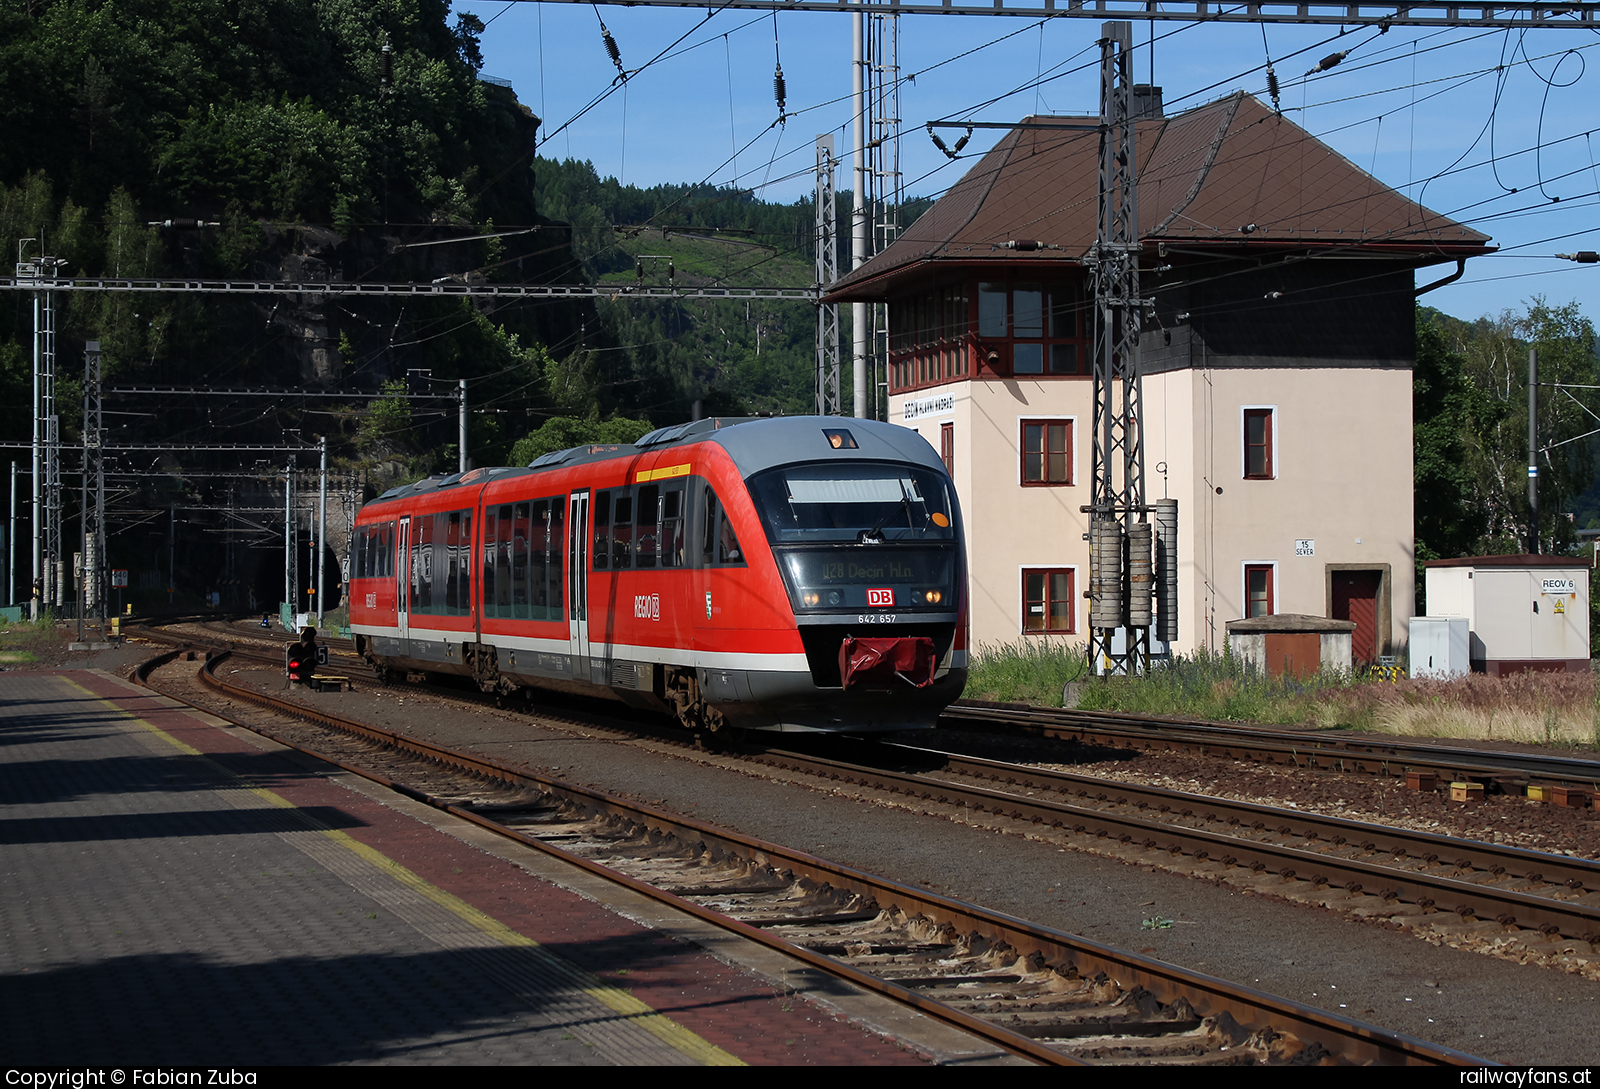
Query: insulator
(940, 144)
(1272, 85)
(780, 91)
(611, 47)
(1025, 245)
(961, 143)
(386, 64)
(1329, 61)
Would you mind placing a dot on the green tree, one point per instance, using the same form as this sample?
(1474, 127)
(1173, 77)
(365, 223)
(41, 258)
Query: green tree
(386, 424)
(565, 432)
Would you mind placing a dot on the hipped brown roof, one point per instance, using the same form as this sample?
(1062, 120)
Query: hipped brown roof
(1204, 174)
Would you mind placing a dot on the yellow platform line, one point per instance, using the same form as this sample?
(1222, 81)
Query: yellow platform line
(615, 999)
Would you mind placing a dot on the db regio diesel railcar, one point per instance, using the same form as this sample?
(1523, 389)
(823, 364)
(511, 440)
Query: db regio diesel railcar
(800, 573)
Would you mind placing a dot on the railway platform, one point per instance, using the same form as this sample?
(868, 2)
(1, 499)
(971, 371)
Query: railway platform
(178, 891)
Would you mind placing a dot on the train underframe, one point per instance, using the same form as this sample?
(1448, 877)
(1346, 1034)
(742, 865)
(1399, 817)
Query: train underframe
(708, 699)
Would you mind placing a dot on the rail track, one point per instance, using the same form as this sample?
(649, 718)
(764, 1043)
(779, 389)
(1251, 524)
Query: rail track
(1360, 868)
(1507, 771)
(1047, 995)
(1355, 866)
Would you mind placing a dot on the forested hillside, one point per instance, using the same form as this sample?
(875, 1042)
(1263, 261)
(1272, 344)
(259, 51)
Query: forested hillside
(326, 139)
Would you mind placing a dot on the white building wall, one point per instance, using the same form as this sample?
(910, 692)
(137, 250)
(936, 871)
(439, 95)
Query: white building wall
(1342, 479)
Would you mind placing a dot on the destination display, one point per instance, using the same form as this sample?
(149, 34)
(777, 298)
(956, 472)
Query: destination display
(901, 578)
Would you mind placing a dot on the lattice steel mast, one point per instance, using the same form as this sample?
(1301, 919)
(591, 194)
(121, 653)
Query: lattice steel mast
(1121, 549)
(827, 242)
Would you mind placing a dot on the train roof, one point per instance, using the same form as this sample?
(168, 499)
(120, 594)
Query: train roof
(755, 444)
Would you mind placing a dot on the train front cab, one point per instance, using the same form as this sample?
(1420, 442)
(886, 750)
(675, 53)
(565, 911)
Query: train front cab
(870, 559)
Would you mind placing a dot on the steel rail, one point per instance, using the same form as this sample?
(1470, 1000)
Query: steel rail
(1350, 1040)
(1448, 892)
(1372, 755)
(595, 802)
(1518, 862)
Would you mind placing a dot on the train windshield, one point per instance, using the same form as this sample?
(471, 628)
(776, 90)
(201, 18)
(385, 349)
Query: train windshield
(860, 502)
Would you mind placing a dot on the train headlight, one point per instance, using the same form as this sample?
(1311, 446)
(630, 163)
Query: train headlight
(811, 597)
(932, 597)
(835, 597)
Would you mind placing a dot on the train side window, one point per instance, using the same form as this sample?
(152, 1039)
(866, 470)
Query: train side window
(538, 559)
(648, 520)
(464, 594)
(439, 565)
(728, 550)
(672, 528)
(502, 561)
(556, 565)
(708, 528)
(720, 545)
(489, 529)
(422, 566)
(448, 530)
(622, 532)
(523, 540)
(602, 531)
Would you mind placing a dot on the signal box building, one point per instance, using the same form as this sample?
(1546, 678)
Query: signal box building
(1277, 368)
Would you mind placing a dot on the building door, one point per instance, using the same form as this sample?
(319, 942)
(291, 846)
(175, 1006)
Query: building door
(1355, 597)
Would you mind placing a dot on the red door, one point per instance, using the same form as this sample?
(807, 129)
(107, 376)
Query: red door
(1355, 597)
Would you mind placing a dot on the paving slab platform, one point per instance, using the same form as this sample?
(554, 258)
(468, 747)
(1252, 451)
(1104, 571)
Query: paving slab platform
(175, 890)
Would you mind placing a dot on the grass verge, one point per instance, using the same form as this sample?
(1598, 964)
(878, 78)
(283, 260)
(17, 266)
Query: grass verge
(1535, 708)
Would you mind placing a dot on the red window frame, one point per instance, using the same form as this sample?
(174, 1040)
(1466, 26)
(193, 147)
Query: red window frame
(1052, 591)
(1259, 575)
(1042, 456)
(1258, 438)
(947, 447)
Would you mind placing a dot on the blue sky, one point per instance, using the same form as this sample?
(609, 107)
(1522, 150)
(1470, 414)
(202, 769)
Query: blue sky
(1406, 105)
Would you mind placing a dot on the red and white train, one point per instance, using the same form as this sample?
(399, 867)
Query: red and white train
(801, 573)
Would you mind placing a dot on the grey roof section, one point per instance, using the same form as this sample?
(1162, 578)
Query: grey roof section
(755, 444)
(765, 444)
(1292, 623)
(1228, 173)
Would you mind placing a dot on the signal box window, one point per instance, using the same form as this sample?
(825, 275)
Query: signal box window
(1258, 590)
(1258, 444)
(1046, 452)
(1047, 601)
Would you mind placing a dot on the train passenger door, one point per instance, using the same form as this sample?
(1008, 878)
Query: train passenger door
(578, 583)
(402, 577)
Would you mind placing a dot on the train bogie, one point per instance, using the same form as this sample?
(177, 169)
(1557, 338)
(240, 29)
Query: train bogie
(792, 574)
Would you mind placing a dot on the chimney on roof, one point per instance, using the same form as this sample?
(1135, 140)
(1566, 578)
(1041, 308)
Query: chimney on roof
(1146, 101)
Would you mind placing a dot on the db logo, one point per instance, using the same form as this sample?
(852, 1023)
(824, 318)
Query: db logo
(880, 597)
(647, 607)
